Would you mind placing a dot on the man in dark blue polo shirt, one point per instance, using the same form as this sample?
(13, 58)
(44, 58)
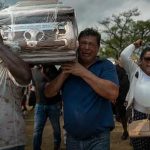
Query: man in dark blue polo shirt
(88, 86)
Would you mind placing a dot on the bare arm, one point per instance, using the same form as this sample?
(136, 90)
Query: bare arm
(53, 87)
(104, 88)
(17, 67)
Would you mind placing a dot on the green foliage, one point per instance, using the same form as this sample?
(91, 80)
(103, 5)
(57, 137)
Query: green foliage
(121, 30)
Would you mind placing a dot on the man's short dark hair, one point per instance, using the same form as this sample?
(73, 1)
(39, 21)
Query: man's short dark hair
(90, 32)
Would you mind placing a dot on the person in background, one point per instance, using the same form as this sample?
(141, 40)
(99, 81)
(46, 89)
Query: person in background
(88, 87)
(31, 97)
(138, 96)
(45, 107)
(23, 103)
(15, 74)
(120, 102)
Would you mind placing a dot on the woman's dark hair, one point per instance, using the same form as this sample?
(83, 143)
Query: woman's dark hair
(144, 51)
(90, 32)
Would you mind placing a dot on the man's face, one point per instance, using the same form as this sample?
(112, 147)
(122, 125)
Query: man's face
(145, 63)
(88, 49)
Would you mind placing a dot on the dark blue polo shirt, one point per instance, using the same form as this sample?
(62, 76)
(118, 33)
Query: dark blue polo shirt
(85, 112)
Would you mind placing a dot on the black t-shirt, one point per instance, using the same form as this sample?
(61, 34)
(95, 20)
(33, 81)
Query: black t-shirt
(40, 78)
(123, 82)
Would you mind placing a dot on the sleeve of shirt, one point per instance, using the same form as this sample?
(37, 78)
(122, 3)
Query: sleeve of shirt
(126, 60)
(109, 72)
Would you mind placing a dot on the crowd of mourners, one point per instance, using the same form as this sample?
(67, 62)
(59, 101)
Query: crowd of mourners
(89, 90)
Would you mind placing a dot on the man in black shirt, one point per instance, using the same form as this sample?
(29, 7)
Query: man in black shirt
(45, 107)
(120, 107)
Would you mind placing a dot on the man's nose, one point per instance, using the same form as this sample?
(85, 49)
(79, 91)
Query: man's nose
(86, 45)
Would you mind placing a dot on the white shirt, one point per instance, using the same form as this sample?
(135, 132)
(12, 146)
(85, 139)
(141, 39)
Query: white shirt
(12, 125)
(142, 90)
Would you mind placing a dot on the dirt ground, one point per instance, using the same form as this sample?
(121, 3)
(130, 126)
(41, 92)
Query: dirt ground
(47, 143)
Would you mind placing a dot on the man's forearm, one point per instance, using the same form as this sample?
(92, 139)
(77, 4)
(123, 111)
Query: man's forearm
(104, 88)
(53, 87)
(17, 67)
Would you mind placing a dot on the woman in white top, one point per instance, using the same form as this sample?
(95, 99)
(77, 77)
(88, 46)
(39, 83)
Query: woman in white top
(139, 92)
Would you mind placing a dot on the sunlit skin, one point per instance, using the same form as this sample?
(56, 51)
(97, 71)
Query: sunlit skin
(145, 64)
(88, 49)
